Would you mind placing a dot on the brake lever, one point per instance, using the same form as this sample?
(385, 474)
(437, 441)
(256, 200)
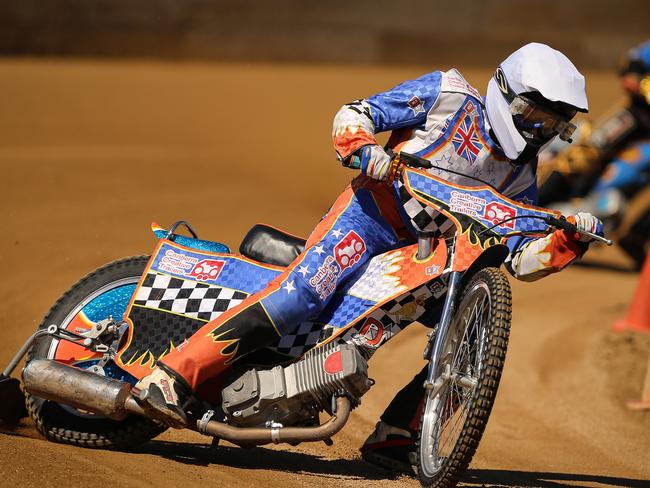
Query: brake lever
(564, 224)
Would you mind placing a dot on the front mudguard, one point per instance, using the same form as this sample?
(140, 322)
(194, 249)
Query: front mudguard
(493, 256)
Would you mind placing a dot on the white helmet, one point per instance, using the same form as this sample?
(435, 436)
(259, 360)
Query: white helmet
(531, 98)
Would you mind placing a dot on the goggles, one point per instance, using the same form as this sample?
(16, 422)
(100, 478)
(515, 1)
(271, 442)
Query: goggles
(540, 122)
(536, 120)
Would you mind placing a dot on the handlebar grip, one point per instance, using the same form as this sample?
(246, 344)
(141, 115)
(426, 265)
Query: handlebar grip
(564, 224)
(415, 161)
(561, 223)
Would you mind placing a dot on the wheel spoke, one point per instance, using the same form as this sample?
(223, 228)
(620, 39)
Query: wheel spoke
(448, 410)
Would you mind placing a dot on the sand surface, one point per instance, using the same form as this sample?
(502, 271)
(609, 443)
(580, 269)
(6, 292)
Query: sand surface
(92, 152)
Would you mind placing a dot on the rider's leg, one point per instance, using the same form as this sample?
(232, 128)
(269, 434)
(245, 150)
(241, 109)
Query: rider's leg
(392, 443)
(360, 224)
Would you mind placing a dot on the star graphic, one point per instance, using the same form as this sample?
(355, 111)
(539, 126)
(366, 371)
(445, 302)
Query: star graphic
(526, 201)
(289, 286)
(303, 270)
(337, 233)
(319, 250)
(444, 158)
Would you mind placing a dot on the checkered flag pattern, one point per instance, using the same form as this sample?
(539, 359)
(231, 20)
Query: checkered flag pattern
(155, 332)
(186, 297)
(423, 217)
(306, 337)
(394, 316)
(442, 192)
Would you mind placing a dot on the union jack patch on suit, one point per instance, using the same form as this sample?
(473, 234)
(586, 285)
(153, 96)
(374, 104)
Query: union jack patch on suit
(466, 141)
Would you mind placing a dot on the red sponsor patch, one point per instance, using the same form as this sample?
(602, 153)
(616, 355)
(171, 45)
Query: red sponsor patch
(207, 270)
(167, 391)
(372, 331)
(416, 104)
(349, 250)
(496, 213)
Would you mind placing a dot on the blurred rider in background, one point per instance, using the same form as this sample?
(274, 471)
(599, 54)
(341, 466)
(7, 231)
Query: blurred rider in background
(610, 164)
(470, 141)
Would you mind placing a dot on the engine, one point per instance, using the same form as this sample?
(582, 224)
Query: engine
(298, 392)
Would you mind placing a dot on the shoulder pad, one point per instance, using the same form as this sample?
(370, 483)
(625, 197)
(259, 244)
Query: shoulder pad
(453, 81)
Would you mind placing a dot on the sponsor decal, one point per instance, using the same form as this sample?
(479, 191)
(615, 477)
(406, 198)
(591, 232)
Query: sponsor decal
(500, 78)
(207, 270)
(176, 263)
(497, 212)
(462, 85)
(167, 391)
(326, 276)
(349, 250)
(466, 203)
(432, 270)
(372, 332)
(437, 288)
(416, 105)
(346, 253)
(493, 212)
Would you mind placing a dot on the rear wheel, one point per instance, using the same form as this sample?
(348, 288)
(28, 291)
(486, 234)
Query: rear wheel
(104, 292)
(454, 416)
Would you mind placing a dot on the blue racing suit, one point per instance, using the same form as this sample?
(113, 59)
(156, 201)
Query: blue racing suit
(438, 116)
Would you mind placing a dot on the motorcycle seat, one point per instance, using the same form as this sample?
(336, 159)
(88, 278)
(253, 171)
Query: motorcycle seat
(269, 245)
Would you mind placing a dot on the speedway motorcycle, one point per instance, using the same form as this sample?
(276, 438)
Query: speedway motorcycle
(108, 329)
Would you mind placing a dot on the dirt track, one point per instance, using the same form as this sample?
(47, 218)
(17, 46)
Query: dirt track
(91, 152)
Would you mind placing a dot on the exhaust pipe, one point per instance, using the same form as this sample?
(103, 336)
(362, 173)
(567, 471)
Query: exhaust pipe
(81, 389)
(277, 434)
(112, 398)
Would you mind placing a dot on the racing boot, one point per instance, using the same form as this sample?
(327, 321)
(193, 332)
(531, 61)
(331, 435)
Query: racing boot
(391, 448)
(164, 395)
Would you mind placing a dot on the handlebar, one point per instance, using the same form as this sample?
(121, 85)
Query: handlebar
(402, 159)
(564, 224)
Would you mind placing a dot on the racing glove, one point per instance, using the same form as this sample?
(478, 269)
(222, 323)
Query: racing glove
(587, 222)
(374, 162)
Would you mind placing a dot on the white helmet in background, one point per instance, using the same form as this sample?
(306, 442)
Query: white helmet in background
(531, 98)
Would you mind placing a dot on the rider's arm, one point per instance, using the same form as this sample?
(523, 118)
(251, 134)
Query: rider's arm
(532, 258)
(405, 105)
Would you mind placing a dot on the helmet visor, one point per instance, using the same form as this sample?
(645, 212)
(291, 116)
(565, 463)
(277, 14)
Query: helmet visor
(539, 122)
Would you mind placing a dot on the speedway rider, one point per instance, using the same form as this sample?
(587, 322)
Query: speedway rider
(532, 97)
(615, 156)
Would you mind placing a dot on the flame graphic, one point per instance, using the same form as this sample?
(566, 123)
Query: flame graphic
(481, 240)
(224, 344)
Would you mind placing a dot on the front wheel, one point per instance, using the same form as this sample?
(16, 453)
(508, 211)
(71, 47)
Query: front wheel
(104, 292)
(455, 415)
